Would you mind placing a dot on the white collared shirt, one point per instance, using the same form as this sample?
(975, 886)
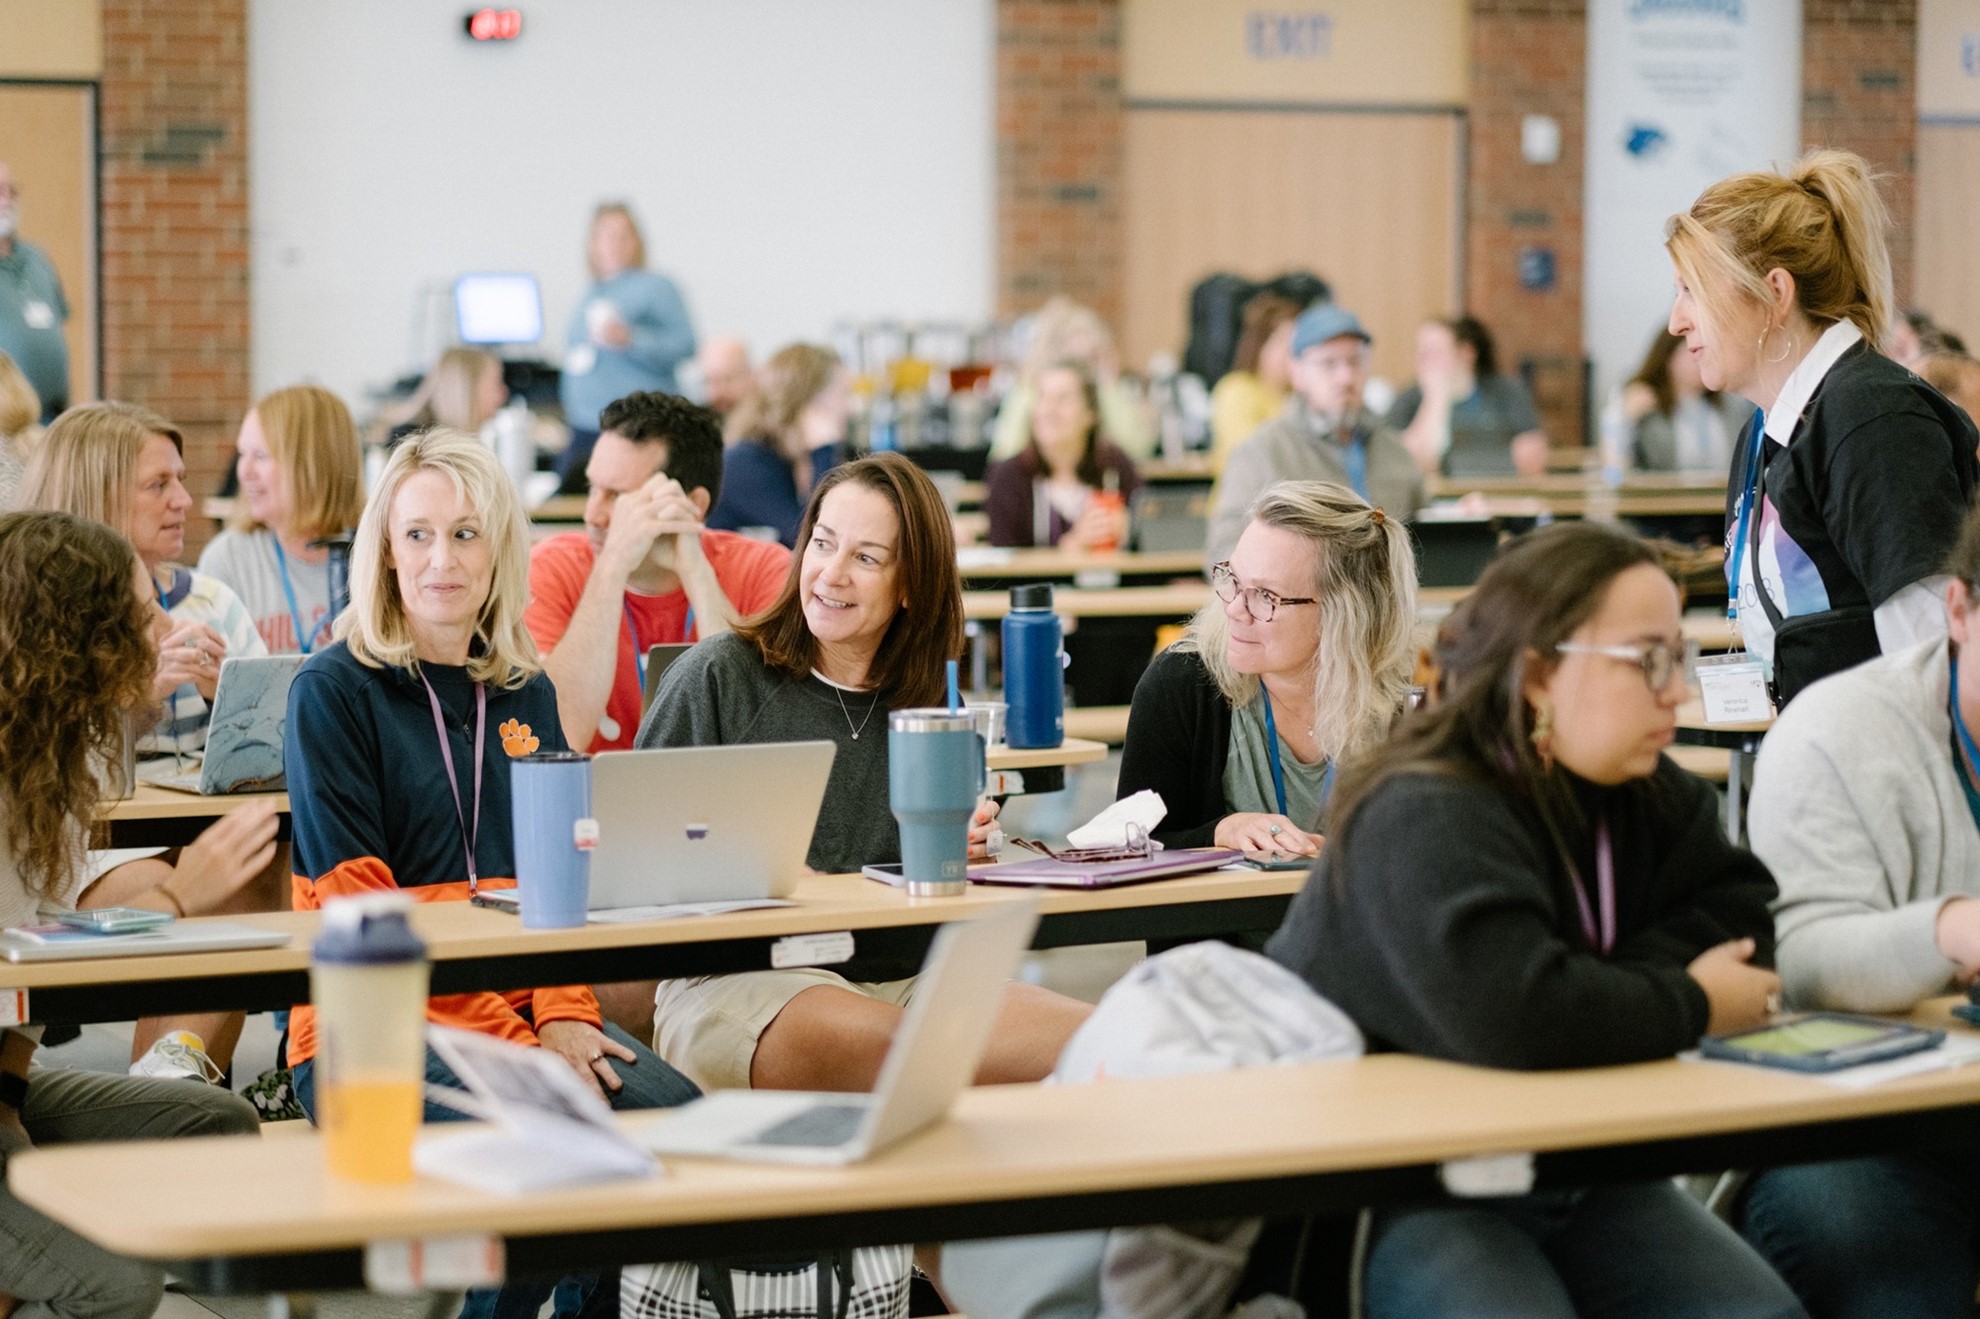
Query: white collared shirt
(1914, 614)
(1801, 383)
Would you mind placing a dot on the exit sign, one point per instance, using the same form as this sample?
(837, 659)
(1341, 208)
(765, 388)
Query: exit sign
(494, 24)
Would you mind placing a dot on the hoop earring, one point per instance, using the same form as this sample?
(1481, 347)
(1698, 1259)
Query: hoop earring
(1787, 345)
(1543, 734)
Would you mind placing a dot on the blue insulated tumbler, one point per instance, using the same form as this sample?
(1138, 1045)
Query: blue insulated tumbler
(934, 773)
(552, 793)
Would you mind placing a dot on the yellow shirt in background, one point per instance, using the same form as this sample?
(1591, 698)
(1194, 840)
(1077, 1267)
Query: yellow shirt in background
(1239, 405)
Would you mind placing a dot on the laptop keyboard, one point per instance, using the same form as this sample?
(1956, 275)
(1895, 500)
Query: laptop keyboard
(823, 1125)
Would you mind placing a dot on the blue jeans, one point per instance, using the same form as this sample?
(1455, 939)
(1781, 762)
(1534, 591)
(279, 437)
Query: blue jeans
(648, 1083)
(1642, 1251)
(1864, 1238)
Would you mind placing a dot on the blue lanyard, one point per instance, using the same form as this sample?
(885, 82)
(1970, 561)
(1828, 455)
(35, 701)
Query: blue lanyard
(1278, 770)
(289, 591)
(639, 650)
(1736, 552)
(1966, 771)
(171, 697)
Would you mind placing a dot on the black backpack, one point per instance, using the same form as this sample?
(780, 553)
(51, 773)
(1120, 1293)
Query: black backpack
(1216, 311)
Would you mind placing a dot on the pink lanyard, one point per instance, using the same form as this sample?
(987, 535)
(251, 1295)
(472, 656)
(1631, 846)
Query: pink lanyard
(1602, 939)
(468, 835)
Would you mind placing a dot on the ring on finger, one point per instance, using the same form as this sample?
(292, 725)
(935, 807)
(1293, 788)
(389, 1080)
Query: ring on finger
(598, 1056)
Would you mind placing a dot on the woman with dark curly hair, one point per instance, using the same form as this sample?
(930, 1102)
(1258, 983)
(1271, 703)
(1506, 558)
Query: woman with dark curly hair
(76, 652)
(78, 641)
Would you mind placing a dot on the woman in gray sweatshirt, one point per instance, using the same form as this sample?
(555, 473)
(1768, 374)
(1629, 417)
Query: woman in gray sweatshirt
(867, 620)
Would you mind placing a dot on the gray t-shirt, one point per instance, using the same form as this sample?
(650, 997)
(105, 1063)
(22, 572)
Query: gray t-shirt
(1248, 772)
(722, 694)
(246, 561)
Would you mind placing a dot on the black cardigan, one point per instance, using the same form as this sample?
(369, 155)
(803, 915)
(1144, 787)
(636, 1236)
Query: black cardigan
(1178, 738)
(1444, 923)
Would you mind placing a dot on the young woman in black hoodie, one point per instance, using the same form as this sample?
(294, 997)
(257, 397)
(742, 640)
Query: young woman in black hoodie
(1519, 878)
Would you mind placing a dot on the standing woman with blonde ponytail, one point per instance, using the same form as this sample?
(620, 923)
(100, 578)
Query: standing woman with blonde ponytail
(1848, 489)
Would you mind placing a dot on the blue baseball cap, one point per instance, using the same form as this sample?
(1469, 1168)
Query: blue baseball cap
(1323, 321)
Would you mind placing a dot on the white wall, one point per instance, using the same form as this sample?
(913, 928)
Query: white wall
(1706, 88)
(793, 163)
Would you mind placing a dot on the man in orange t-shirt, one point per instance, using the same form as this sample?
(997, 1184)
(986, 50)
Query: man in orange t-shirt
(644, 571)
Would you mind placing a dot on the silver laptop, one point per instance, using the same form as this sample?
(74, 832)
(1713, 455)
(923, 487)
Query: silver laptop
(934, 1055)
(704, 824)
(243, 736)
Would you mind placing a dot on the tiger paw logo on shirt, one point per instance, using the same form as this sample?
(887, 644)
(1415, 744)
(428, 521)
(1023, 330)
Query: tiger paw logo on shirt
(517, 739)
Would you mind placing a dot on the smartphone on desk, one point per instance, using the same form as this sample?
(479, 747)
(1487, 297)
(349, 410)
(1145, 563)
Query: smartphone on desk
(115, 920)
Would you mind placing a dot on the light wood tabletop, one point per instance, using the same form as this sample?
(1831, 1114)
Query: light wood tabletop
(1691, 719)
(1102, 723)
(1174, 601)
(1076, 566)
(1601, 505)
(1006, 1157)
(559, 509)
(476, 948)
(150, 802)
(1072, 751)
(1578, 483)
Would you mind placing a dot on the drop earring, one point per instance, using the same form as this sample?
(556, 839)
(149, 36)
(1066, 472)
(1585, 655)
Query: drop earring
(1543, 734)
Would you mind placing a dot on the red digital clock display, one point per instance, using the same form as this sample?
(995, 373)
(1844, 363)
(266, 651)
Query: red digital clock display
(494, 24)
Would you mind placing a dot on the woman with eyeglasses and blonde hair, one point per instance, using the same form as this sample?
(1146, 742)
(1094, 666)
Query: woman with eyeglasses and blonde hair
(1303, 659)
(123, 466)
(1520, 878)
(1846, 498)
(301, 482)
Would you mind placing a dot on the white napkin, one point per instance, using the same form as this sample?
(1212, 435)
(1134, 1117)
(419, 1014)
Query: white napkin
(1109, 828)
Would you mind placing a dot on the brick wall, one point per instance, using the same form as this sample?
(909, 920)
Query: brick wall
(1528, 57)
(175, 221)
(1859, 91)
(1059, 154)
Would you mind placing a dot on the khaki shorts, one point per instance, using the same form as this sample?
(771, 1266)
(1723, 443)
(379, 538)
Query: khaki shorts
(707, 1026)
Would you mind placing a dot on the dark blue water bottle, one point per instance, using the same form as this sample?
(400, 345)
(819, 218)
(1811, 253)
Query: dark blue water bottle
(1034, 670)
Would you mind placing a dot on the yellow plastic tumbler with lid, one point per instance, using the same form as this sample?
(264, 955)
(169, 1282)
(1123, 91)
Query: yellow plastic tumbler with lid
(368, 977)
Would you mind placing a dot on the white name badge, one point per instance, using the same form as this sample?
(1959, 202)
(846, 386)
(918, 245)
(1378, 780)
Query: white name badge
(1734, 688)
(38, 315)
(580, 360)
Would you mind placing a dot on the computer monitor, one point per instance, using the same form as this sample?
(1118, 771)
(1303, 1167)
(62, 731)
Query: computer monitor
(498, 309)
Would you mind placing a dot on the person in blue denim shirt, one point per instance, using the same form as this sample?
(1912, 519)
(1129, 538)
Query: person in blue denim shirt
(628, 333)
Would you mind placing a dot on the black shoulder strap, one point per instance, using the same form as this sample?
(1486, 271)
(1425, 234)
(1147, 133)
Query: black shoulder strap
(1774, 615)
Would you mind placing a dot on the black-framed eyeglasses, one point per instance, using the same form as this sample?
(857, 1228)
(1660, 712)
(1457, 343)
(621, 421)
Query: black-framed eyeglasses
(1260, 603)
(1658, 660)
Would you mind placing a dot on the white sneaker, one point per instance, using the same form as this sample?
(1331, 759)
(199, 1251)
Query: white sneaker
(180, 1056)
